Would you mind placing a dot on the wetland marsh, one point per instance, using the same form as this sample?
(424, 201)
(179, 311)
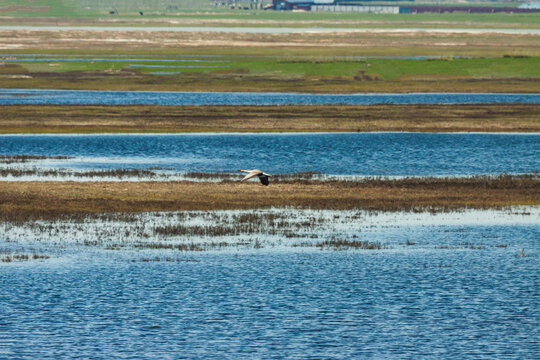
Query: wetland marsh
(387, 230)
(272, 291)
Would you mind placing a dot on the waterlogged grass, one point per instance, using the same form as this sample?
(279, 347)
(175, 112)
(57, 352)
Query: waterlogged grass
(37, 173)
(63, 173)
(9, 257)
(24, 158)
(159, 236)
(340, 244)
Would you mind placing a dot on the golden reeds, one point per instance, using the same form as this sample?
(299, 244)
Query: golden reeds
(49, 200)
(332, 118)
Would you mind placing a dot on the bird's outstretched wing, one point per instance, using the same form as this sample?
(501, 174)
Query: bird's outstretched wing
(251, 174)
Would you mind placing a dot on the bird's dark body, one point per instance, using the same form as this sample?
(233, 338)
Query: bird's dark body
(264, 179)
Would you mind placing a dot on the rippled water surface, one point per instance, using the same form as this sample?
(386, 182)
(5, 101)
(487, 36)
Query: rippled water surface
(385, 154)
(449, 286)
(83, 97)
(453, 289)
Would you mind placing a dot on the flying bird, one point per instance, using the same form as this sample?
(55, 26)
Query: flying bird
(255, 172)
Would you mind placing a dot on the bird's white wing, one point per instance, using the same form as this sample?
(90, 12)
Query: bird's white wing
(250, 175)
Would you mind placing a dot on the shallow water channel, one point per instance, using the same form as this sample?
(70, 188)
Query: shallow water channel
(357, 154)
(94, 97)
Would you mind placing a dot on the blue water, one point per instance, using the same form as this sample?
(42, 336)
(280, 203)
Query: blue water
(85, 97)
(385, 154)
(406, 304)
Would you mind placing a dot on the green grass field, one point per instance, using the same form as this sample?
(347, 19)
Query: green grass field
(382, 69)
(206, 14)
(35, 8)
(308, 62)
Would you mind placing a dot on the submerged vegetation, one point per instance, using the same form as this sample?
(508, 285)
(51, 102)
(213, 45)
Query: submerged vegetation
(157, 236)
(62, 173)
(9, 257)
(340, 244)
(14, 159)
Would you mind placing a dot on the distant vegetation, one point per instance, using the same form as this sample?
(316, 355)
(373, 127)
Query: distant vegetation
(32, 8)
(164, 6)
(90, 8)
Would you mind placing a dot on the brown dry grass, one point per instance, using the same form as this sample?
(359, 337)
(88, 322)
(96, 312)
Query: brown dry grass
(426, 118)
(31, 200)
(336, 43)
(128, 80)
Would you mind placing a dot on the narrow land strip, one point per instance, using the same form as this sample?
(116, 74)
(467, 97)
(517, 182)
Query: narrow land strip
(48, 200)
(324, 118)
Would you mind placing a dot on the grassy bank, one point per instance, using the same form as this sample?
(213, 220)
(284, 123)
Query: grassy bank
(49, 200)
(327, 118)
(315, 63)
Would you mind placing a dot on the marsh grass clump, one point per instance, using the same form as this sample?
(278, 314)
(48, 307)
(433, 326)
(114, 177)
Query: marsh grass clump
(12, 159)
(22, 257)
(470, 245)
(342, 244)
(304, 175)
(32, 172)
(161, 259)
(209, 230)
(211, 176)
(117, 173)
(113, 173)
(160, 246)
(243, 223)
